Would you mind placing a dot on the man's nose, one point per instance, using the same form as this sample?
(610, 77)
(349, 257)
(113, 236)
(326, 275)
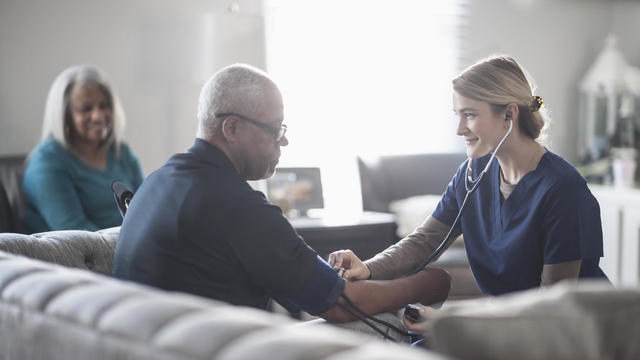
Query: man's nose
(284, 141)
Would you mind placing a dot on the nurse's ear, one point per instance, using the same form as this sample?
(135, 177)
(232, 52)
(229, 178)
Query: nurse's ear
(511, 113)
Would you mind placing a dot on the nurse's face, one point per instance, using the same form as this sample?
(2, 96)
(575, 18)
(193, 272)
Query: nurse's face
(481, 129)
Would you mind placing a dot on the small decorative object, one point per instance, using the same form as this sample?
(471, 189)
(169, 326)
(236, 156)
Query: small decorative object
(624, 167)
(609, 125)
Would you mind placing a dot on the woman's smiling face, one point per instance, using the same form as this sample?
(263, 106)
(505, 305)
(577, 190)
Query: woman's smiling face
(91, 114)
(480, 127)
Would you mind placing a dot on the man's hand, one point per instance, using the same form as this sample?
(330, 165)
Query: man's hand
(354, 268)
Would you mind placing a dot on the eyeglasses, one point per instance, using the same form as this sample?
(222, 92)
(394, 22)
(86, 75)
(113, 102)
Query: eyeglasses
(278, 133)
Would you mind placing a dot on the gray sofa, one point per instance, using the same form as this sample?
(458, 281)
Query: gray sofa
(48, 311)
(85, 250)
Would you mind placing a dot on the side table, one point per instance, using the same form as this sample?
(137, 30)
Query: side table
(366, 235)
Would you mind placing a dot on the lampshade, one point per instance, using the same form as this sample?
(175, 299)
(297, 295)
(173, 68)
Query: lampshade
(609, 72)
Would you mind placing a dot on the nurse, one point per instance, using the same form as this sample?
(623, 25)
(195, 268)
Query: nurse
(531, 221)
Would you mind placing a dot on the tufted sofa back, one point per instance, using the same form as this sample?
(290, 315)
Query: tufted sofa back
(52, 312)
(72, 248)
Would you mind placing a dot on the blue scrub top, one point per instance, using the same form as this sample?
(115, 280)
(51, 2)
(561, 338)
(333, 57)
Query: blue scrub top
(550, 217)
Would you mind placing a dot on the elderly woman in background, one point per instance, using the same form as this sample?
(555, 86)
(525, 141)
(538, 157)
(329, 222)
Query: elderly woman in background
(68, 177)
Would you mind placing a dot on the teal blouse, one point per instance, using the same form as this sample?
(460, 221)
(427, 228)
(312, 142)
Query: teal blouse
(63, 193)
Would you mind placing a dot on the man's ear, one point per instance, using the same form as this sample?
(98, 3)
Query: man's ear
(230, 128)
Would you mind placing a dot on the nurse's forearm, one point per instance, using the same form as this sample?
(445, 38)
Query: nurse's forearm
(552, 273)
(401, 258)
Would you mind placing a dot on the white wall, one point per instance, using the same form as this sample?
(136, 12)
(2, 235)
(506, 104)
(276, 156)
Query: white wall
(152, 52)
(157, 54)
(626, 26)
(556, 40)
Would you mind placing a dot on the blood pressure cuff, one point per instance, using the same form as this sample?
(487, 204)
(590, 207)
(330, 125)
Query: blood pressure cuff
(319, 294)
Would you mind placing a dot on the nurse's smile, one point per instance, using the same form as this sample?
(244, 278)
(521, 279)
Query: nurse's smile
(470, 141)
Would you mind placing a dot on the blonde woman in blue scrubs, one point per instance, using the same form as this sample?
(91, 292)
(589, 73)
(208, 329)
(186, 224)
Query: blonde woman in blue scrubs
(531, 221)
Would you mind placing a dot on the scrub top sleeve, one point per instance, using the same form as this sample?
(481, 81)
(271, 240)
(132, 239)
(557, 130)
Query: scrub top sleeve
(571, 224)
(447, 208)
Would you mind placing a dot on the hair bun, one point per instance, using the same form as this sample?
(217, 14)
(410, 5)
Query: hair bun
(536, 103)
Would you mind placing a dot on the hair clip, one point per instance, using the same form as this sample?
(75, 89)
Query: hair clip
(536, 103)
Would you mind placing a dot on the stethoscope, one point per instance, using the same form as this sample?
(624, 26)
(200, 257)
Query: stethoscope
(470, 185)
(358, 313)
(469, 178)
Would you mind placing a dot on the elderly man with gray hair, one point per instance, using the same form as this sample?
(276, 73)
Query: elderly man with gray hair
(197, 226)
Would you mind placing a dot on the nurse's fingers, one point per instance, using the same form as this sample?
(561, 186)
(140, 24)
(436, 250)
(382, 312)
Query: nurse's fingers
(335, 260)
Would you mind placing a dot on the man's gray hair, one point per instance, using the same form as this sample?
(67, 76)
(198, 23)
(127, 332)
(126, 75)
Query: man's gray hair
(57, 119)
(237, 88)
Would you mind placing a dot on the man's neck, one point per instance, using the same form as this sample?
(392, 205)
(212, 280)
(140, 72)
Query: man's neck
(220, 143)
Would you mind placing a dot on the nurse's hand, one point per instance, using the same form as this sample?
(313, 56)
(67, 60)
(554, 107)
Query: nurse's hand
(354, 268)
(422, 325)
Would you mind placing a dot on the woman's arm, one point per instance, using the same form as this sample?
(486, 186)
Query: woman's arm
(553, 273)
(403, 257)
(398, 259)
(50, 190)
(571, 231)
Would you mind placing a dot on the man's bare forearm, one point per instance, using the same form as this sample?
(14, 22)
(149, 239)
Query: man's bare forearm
(429, 286)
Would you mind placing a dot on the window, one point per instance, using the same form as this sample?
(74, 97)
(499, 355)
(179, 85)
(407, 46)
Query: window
(363, 77)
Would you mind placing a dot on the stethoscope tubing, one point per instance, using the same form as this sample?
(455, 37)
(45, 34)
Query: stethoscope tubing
(470, 189)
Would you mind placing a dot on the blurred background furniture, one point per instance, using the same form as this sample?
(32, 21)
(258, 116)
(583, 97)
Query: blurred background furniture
(366, 235)
(609, 133)
(620, 214)
(409, 187)
(395, 177)
(12, 201)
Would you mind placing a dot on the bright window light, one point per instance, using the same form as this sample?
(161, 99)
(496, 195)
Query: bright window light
(363, 77)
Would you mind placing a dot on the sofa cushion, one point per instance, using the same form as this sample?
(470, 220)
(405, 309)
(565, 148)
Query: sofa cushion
(73, 248)
(567, 321)
(52, 312)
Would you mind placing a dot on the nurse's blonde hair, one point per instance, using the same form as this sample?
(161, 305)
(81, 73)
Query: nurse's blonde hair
(499, 81)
